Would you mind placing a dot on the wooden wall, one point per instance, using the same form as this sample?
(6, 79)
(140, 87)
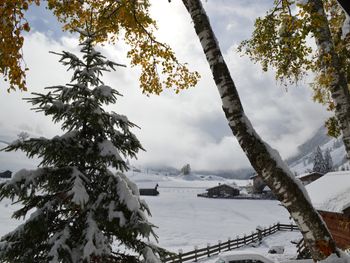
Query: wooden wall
(339, 225)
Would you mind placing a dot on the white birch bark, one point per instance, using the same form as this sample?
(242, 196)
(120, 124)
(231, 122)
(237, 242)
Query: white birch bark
(339, 86)
(266, 161)
(345, 5)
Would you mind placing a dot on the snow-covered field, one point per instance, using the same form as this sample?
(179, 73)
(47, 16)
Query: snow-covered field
(185, 220)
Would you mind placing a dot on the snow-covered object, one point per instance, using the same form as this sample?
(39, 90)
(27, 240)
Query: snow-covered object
(276, 250)
(333, 258)
(244, 256)
(103, 90)
(319, 162)
(259, 228)
(97, 243)
(79, 208)
(266, 189)
(346, 25)
(78, 191)
(331, 191)
(28, 176)
(58, 241)
(107, 148)
(149, 256)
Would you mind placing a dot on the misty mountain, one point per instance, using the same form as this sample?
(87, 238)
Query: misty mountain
(300, 163)
(303, 161)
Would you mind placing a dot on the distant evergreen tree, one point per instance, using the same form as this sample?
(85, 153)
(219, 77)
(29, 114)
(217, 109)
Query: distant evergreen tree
(80, 210)
(186, 169)
(328, 161)
(319, 162)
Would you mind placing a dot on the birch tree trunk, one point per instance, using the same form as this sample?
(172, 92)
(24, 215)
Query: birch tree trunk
(330, 62)
(265, 160)
(345, 4)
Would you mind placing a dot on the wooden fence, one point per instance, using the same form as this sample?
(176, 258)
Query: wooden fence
(193, 256)
(302, 251)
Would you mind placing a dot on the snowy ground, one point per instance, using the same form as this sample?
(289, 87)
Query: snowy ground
(185, 220)
(277, 239)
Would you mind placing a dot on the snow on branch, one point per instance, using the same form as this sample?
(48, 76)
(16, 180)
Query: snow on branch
(78, 190)
(58, 241)
(108, 149)
(97, 243)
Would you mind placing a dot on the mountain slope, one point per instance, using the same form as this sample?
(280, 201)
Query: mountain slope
(303, 161)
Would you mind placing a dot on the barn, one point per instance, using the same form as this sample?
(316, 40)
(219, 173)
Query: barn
(221, 191)
(330, 196)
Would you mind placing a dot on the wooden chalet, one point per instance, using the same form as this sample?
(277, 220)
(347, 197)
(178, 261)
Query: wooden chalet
(330, 195)
(221, 191)
(6, 174)
(308, 178)
(339, 225)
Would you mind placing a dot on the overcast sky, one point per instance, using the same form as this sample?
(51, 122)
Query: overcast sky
(175, 129)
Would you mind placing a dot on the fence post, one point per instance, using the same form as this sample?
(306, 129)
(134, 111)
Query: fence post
(195, 253)
(237, 237)
(278, 226)
(291, 227)
(208, 249)
(259, 234)
(244, 239)
(219, 243)
(180, 255)
(229, 243)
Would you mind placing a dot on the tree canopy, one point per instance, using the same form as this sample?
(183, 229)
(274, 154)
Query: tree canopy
(281, 40)
(127, 20)
(266, 161)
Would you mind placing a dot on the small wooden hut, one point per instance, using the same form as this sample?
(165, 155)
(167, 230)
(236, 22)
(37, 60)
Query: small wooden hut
(149, 191)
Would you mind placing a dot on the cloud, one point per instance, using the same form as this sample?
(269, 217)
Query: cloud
(189, 127)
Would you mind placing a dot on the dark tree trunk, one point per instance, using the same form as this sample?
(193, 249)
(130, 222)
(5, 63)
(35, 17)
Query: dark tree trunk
(265, 160)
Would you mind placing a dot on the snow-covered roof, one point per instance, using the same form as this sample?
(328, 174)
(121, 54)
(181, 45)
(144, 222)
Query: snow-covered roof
(331, 192)
(307, 174)
(266, 189)
(233, 185)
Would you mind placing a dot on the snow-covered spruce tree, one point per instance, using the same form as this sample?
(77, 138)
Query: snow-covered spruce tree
(328, 161)
(80, 211)
(186, 169)
(319, 162)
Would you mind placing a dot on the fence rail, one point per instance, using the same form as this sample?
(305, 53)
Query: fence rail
(194, 255)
